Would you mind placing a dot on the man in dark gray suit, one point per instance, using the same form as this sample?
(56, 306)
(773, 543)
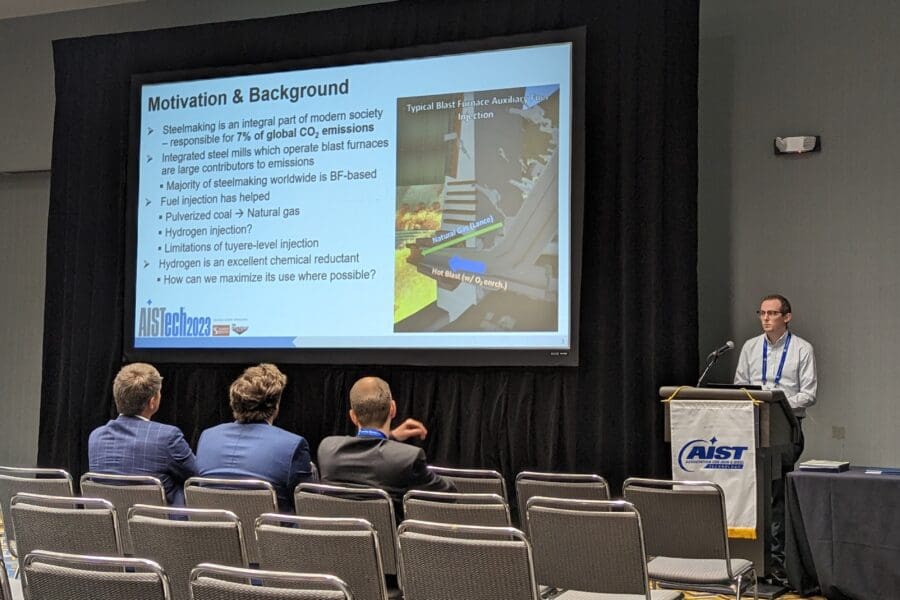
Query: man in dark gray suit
(132, 444)
(375, 457)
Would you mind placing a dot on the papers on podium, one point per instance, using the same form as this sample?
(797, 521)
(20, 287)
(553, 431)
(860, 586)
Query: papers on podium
(825, 466)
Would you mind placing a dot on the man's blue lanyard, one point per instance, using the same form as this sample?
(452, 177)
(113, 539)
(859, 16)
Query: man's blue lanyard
(765, 366)
(371, 433)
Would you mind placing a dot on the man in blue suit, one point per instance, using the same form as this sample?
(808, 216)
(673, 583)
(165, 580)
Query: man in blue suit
(132, 444)
(251, 446)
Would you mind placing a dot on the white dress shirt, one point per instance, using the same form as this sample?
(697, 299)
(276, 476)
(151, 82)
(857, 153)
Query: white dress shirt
(798, 378)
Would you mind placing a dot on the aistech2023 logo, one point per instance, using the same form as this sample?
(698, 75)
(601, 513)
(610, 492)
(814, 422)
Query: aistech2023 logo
(158, 321)
(709, 454)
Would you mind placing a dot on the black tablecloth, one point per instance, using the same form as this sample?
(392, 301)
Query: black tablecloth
(843, 534)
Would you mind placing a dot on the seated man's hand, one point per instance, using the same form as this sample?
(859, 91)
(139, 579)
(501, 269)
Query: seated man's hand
(408, 429)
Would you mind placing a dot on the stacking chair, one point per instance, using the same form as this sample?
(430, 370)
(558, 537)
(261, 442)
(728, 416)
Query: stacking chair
(372, 504)
(590, 547)
(247, 498)
(124, 491)
(474, 481)
(581, 486)
(219, 582)
(347, 548)
(65, 524)
(54, 575)
(50, 482)
(464, 509)
(448, 562)
(181, 538)
(5, 592)
(686, 535)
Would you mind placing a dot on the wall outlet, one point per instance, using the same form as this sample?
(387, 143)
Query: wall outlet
(838, 433)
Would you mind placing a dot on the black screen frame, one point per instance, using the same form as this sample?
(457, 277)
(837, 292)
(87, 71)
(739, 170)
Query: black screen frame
(372, 356)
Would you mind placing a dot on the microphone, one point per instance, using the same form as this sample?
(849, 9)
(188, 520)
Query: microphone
(712, 358)
(726, 347)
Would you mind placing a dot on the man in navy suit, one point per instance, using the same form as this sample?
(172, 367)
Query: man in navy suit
(132, 444)
(251, 447)
(375, 457)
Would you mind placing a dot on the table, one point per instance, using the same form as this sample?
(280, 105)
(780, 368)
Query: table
(843, 534)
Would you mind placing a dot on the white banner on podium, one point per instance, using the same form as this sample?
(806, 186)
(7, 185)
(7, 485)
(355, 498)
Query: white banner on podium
(714, 440)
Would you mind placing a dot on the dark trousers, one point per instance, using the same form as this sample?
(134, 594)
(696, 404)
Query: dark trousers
(787, 465)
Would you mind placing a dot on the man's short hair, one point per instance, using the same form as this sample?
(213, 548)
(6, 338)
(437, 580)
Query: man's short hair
(370, 399)
(255, 395)
(134, 386)
(785, 303)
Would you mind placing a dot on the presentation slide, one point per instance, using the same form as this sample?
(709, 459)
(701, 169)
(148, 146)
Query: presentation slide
(419, 204)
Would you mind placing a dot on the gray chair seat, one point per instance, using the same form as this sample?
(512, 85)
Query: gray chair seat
(345, 548)
(65, 524)
(54, 575)
(221, 582)
(437, 564)
(695, 570)
(205, 588)
(654, 595)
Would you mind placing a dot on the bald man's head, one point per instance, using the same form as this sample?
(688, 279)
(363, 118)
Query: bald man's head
(371, 402)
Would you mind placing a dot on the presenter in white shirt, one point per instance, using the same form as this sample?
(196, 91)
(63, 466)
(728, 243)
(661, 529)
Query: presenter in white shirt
(779, 359)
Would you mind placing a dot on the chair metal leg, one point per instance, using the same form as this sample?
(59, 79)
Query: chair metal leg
(751, 574)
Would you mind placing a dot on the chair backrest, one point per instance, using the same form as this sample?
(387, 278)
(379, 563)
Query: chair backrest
(219, 582)
(445, 562)
(579, 486)
(54, 575)
(594, 546)
(181, 538)
(247, 498)
(124, 491)
(50, 482)
(488, 510)
(683, 519)
(5, 592)
(347, 548)
(372, 504)
(65, 524)
(474, 481)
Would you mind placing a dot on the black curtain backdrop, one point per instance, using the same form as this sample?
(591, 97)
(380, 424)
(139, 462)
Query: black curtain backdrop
(638, 325)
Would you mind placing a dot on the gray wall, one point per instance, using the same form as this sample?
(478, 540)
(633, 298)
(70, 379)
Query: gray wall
(823, 228)
(23, 238)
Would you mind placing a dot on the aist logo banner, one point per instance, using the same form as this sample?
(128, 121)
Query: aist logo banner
(715, 440)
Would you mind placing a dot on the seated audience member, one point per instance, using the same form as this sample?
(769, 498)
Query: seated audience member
(132, 444)
(252, 447)
(373, 458)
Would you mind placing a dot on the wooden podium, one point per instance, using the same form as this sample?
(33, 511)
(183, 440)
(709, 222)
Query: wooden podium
(776, 428)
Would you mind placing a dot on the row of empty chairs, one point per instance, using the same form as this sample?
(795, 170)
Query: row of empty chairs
(692, 560)
(258, 496)
(177, 539)
(579, 545)
(53, 575)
